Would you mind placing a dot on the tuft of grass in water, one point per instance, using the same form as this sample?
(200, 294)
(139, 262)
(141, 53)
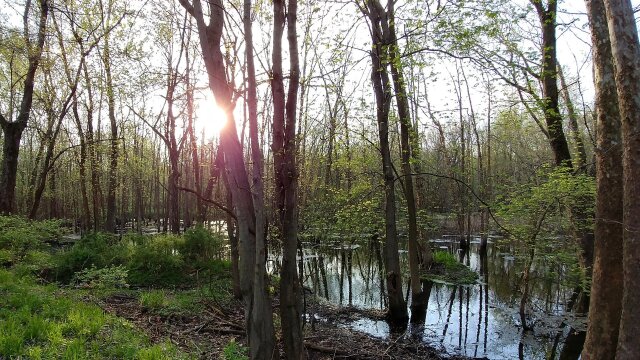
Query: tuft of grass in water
(43, 322)
(446, 268)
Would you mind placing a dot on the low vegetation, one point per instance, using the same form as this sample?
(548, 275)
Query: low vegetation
(447, 269)
(49, 298)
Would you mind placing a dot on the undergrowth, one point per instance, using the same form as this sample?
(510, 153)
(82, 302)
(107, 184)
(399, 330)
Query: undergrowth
(447, 269)
(43, 322)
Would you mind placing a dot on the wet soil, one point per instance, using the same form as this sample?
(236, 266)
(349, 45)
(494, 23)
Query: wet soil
(206, 334)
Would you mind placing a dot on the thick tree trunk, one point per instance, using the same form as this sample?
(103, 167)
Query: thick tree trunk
(607, 277)
(626, 58)
(11, 130)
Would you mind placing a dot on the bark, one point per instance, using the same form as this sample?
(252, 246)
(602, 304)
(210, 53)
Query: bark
(286, 174)
(92, 152)
(173, 198)
(262, 335)
(607, 277)
(626, 59)
(549, 77)
(406, 129)
(381, 88)
(210, 36)
(112, 183)
(12, 130)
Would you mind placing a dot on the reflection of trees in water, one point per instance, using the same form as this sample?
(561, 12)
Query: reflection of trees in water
(352, 275)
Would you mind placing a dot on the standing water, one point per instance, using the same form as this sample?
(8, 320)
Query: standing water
(480, 320)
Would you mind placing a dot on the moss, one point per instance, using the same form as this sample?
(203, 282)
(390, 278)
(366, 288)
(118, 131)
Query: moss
(446, 269)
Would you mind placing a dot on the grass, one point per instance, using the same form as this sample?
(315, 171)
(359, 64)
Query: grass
(44, 322)
(447, 269)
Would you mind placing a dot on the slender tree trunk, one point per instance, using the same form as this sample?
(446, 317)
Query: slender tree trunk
(110, 223)
(261, 335)
(286, 173)
(549, 76)
(210, 34)
(581, 154)
(381, 87)
(404, 114)
(607, 278)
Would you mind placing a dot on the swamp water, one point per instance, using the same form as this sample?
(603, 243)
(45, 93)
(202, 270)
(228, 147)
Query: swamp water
(479, 320)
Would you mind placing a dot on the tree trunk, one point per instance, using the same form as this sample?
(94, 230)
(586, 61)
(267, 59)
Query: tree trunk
(581, 154)
(607, 277)
(210, 35)
(626, 59)
(112, 183)
(404, 114)
(12, 130)
(261, 335)
(549, 78)
(286, 174)
(381, 88)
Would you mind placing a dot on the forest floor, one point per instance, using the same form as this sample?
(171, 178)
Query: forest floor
(206, 333)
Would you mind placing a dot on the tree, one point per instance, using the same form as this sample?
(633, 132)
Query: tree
(261, 336)
(286, 173)
(607, 278)
(407, 149)
(12, 130)
(254, 295)
(381, 83)
(549, 79)
(625, 49)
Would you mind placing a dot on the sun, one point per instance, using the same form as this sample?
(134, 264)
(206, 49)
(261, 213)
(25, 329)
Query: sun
(210, 118)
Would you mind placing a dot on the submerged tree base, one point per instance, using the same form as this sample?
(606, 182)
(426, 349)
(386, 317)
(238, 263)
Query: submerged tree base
(446, 269)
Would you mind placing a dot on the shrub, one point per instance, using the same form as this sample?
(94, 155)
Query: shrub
(20, 236)
(445, 258)
(105, 278)
(98, 250)
(157, 262)
(201, 244)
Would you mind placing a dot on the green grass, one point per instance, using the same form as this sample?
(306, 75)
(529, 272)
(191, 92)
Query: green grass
(44, 322)
(235, 351)
(447, 269)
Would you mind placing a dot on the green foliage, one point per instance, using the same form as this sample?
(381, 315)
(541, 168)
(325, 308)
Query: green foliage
(154, 299)
(543, 215)
(94, 250)
(235, 351)
(20, 237)
(201, 245)
(445, 258)
(41, 322)
(104, 278)
(157, 262)
(447, 269)
(347, 214)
